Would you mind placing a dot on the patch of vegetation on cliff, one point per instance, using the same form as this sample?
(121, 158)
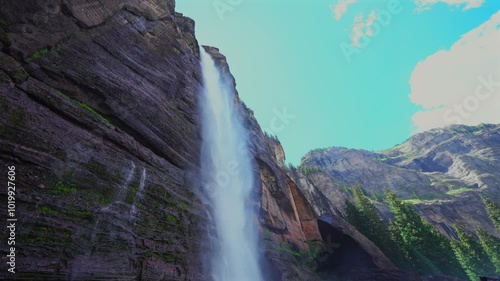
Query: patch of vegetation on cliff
(133, 189)
(4, 29)
(14, 122)
(45, 235)
(167, 213)
(13, 69)
(91, 110)
(98, 169)
(417, 201)
(4, 104)
(16, 117)
(184, 205)
(309, 258)
(119, 246)
(308, 170)
(172, 219)
(63, 188)
(169, 257)
(67, 213)
(105, 199)
(84, 106)
(168, 199)
(38, 54)
(457, 191)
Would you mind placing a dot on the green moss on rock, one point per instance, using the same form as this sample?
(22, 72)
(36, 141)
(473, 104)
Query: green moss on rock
(91, 110)
(45, 235)
(84, 106)
(63, 186)
(4, 78)
(132, 193)
(4, 103)
(105, 199)
(13, 68)
(172, 219)
(67, 213)
(4, 37)
(98, 170)
(170, 257)
(38, 54)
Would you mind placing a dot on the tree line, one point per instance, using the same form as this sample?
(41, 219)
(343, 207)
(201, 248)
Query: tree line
(412, 243)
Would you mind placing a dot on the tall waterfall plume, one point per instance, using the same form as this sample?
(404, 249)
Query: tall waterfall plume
(227, 181)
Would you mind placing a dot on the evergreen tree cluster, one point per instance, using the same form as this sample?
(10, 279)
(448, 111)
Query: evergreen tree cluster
(480, 257)
(471, 255)
(413, 243)
(307, 170)
(364, 216)
(493, 210)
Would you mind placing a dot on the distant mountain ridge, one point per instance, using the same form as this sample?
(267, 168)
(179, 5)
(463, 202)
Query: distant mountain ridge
(443, 172)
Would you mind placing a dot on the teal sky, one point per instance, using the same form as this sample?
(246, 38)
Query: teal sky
(286, 56)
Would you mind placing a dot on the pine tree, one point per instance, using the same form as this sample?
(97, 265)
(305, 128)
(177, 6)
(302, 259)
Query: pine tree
(491, 246)
(354, 217)
(471, 256)
(427, 249)
(364, 216)
(493, 210)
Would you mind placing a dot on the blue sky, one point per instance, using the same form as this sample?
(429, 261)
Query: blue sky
(288, 61)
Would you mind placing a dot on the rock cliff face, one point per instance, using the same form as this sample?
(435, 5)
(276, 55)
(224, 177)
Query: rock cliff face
(99, 116)
(442, 172)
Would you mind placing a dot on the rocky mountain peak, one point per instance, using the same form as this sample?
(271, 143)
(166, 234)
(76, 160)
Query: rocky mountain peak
(442, 171)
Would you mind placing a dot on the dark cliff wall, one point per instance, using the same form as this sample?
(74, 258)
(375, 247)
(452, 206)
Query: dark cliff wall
(99, 117)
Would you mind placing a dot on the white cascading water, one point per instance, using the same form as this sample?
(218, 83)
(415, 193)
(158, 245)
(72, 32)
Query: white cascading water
(227, 181)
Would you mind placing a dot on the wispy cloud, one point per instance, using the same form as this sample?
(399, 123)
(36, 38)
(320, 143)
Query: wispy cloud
(362, 27)
(340, 8)
(468, 4)
(460, 85)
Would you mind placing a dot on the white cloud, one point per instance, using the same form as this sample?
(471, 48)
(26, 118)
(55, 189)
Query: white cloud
(362, 27)
(340, 8)
(460, 85)
(469, 4)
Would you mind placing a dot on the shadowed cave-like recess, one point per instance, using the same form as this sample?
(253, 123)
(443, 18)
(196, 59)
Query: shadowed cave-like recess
(345, 254)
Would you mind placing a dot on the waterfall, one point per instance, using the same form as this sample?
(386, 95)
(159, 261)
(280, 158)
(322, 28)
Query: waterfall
(227, 181)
